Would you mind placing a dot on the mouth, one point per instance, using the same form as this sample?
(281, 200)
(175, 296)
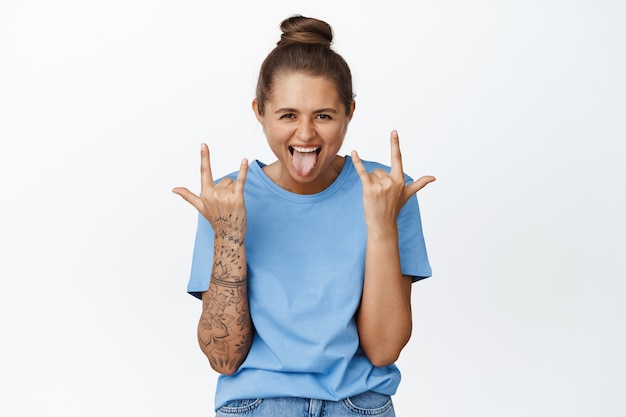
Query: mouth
(302, 149)
(304, 159)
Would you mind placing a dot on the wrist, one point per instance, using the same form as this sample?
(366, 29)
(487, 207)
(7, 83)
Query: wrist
(383, 232)
(224, 237)
(229, 228)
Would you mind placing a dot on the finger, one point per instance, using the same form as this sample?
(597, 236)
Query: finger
(417, 185)
(241, 176)
(206, 176)
(396, 156)
(225, 182)
(360, 168)
(190, 197)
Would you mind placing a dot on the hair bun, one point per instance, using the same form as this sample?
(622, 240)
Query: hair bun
(300, 29)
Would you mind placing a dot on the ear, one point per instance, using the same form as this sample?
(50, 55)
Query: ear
(352, 108)
(255, 108)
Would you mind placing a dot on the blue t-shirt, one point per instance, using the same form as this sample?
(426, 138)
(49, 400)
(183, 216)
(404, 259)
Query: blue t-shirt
(306, 263)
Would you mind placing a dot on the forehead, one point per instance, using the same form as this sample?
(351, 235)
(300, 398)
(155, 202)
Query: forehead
(297, 89)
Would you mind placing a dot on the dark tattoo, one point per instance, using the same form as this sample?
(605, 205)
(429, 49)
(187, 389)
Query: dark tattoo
(229, 228)
(226, 323)
(228, 283)
(222, 272)
(225, 328)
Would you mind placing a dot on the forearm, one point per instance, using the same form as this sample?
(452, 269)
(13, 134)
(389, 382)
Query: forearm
(384, 320)
(225, 328)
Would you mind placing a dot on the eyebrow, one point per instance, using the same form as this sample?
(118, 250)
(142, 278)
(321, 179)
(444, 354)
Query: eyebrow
(290, 110)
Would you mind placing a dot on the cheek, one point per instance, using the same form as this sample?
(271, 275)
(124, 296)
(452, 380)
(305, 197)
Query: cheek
(273, 136)
(340, 133)
(277, 133)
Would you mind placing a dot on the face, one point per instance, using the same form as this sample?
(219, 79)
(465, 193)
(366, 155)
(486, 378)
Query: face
(305, 124)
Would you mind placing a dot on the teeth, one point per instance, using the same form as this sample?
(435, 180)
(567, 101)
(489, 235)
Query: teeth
(305, 150)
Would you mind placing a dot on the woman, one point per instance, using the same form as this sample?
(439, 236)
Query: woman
(304, 265)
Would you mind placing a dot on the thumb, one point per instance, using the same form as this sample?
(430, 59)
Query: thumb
(188, 196)
(418, 184)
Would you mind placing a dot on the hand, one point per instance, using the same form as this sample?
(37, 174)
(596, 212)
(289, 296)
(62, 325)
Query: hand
(221, 204)
(384, 194)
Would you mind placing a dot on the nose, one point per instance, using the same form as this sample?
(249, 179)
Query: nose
(305, 130)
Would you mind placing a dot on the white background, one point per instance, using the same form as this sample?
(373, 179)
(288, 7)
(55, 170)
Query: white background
(518, 108)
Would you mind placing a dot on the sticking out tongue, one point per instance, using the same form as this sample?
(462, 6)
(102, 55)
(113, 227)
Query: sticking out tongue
(303, 162)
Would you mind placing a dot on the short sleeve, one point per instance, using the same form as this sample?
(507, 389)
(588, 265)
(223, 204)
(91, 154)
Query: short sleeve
(413, 254)
(202, 262)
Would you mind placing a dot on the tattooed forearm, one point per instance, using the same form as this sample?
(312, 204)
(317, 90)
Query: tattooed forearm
(225, 327)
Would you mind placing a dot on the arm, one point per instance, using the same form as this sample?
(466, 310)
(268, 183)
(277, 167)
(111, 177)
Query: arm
(225, 327)
(384, 319)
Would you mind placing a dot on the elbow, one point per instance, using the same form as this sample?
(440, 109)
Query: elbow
(224, 367)
(383, 351)
(223, 370)
(222, 364)
(383, 358)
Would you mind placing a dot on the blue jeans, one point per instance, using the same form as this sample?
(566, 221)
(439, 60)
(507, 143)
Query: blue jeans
(366, 404)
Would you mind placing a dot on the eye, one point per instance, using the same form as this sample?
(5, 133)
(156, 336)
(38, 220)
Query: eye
(325, 116)
(287, 116)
